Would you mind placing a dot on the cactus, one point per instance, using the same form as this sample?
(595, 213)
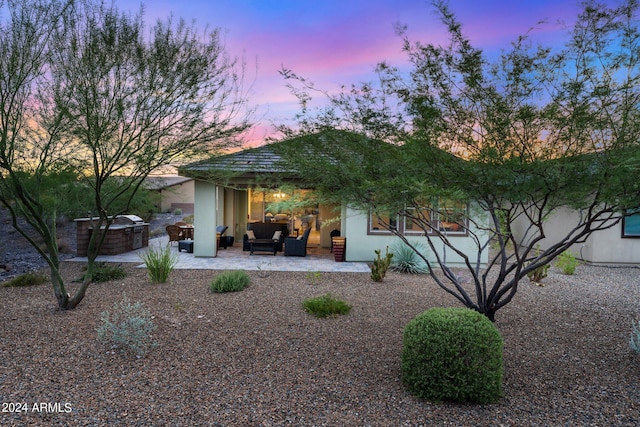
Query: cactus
(380, 265)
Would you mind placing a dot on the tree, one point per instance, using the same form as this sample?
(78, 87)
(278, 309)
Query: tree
(88, 95)
(515, 139)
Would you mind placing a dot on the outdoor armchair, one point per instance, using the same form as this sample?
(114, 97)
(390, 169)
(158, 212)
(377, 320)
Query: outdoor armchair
(222, 240)
(296, 247)
(175, 233)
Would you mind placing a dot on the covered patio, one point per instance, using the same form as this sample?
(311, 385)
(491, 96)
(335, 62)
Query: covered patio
(234, 258)
(252, 187)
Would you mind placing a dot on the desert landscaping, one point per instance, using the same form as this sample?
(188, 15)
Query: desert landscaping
(257, 358)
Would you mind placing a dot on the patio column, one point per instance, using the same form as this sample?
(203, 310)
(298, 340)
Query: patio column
(205, 219)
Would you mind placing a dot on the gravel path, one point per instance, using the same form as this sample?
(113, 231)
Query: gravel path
(255, 358)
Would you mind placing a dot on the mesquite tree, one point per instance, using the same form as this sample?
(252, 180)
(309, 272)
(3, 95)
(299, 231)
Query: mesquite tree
(484, 145)
(96, 96)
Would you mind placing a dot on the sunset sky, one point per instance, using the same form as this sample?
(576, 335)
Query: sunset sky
(334, 42)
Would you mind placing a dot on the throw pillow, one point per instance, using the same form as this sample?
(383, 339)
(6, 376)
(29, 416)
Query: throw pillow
(276, 235)
(300, 237)
(251, 235)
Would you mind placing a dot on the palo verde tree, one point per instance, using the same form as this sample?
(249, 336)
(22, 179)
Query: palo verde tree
(94, 95)
(491, 147)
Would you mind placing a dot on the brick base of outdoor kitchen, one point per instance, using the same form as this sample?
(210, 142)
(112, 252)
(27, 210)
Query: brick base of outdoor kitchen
(127, 233)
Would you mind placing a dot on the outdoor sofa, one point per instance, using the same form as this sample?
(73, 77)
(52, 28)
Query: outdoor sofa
(264, 231)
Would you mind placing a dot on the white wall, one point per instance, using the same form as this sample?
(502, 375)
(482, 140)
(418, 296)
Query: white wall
(602, 247)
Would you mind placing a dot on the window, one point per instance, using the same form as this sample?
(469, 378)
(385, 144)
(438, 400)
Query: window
(423, 216)
(450, 218)
(631, 224)
(379, 223)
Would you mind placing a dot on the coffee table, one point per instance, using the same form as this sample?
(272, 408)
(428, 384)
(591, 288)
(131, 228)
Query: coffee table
(262, 245)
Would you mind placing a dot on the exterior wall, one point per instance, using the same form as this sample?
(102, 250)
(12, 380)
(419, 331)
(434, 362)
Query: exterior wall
(602, 247)
(205, 219)
(178, 196)
(361, 246)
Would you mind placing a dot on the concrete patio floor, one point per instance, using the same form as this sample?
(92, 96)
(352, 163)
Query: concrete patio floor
(234, 258)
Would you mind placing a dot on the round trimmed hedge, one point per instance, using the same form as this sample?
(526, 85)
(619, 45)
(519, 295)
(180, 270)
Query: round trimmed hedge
(453, 354)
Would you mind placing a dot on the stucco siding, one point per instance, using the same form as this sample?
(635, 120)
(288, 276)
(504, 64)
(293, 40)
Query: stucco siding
(180, 195)
(602, 247)
(205, 219)
(361, 246)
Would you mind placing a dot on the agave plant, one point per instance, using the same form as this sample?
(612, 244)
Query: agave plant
(406, 260)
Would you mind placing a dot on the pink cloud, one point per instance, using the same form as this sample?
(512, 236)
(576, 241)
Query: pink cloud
(334, 43)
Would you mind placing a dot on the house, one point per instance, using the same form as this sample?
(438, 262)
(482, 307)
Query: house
(618, 245)
(176, 192)
(251, 186)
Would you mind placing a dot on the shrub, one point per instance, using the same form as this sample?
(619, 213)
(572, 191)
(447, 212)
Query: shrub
(159, 263)
(128, 327)
(230, 281)
(538, 274)
(263, 273)
(406, 260)
(452, 354)
(325, 305)
(103, 272)
(634, 343)
(313, 277)
(567, 263)
(64, 245)
(26, 279)
(380, 265)
(177, 211)
(188, 219)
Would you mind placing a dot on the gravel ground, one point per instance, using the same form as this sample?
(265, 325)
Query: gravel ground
(255, 358)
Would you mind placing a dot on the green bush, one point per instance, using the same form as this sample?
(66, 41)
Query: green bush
(159, 263)
(406, 260)
(103, 272)
(452, 354)
(567, 262)
(380, 265)
(325, 305)
(230, 281)
(26, 279)
(634, 343)
(128, 327)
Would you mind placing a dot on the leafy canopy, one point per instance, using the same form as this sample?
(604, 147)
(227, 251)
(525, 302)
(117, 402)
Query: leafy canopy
(516, 138)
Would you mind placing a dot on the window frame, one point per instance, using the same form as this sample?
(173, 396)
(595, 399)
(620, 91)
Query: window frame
(420, 232)
(380, 231)
(401, 225)
(465, 226)
(631, 213)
